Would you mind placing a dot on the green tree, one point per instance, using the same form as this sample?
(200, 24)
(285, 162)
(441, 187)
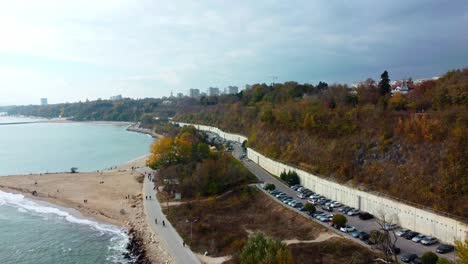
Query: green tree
(309, 208)
(384, 84)
(429, 258)
(339, 220)
(270, 187)
(261, 249)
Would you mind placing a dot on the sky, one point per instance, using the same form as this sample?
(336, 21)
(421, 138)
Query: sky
(68, 51)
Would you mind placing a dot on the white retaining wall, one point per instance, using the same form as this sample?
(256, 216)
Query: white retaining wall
(420, 220)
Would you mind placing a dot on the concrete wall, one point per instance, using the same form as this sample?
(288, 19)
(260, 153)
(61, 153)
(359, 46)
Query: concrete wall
(420, 220)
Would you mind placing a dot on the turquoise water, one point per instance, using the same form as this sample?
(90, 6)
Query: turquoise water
(36, 233)
(44, 147)
(32, 232)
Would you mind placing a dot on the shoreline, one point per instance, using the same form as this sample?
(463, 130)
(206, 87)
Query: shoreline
(112, 197)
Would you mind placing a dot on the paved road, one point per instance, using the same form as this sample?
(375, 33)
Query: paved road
(406, 246)
(169, 235)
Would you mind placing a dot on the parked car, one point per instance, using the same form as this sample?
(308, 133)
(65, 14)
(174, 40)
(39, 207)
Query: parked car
(355, 234)
(418, 238)
(393, 250)
(365, 216)
(302, 195)
(445, 248)
(296, 186)
(409, 235)
(342, 209)
(327, 208)
(335, 204)
(347, 229)
(401, 232)
(407, 258)
(346, 210)
(416, 261)
(363, 236)
(390, 227)
(427, 241)
(353, 212)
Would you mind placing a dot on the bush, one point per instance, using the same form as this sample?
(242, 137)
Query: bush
(262, 249)
(429, 258)
(309, 208)
(290, 178)
(339, 220)
(270, 187)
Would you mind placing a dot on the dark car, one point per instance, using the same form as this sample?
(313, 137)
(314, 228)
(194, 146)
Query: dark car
(327, 208)
(364, 236)
(298, 205)
(409, 235)
(445, 248)
(394, 250)
(365, 216)
(407, 258)
(416, 261)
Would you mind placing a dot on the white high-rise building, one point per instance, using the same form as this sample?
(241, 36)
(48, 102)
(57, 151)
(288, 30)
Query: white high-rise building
(233, 90)
(194, 93)
(213, 91)
(44, 101)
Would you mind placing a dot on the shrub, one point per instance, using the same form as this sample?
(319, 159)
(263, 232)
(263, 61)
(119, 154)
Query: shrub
(270, 187)
(262, 249)
(429, 258)
(339, 220)
(309, 208)
(290, 177)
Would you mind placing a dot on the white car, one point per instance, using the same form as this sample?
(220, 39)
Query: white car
(429, 241)
(353, 212)
(390, 227)
(336, 204)
(347, 229)
(418, 238)
(401, 232)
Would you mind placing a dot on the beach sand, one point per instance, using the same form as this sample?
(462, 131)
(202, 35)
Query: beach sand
(106, 201)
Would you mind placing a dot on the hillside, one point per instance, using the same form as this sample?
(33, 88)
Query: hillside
(411, 146)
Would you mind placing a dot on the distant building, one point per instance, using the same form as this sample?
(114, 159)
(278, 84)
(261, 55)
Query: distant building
(203, 94)
(194, 93)
(167, 102)
(116, 98)
(213, 91)
(232, 90)
(44, 101)
(180, 95)
(403, 88)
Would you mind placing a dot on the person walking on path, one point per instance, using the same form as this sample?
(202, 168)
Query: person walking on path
(164, 223)
(156, 221)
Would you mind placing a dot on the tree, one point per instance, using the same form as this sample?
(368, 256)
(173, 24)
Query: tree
(309, 208)
(74, 170)
(386, 239)
(270, 187)
(384, 84)
(264, 250)
(442, 260)
(339, 220)
(290, 178)
(429, 258)
(461, 250)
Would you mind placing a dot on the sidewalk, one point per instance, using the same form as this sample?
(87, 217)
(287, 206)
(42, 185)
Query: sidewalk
(169, 235)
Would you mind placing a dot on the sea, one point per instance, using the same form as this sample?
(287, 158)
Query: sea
(35, 232)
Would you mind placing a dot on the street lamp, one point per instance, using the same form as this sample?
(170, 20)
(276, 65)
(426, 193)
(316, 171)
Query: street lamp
(191, 233)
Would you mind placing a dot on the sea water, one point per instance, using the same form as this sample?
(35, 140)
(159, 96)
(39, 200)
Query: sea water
(57, 147)
(35, 232)
(32, 232)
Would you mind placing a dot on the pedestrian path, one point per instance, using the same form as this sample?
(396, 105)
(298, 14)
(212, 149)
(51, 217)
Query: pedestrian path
(169, 235)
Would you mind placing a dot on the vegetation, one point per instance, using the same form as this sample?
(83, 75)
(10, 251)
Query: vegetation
(363, 136)
(290, 177)
(270, 187)
(261, 249)
(461, 251)
(339, 220)
(310, 208)
(429, 258)
(122, 110)
(187, 165)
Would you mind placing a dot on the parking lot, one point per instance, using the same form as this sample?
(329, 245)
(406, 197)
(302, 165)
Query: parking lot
(406, 246)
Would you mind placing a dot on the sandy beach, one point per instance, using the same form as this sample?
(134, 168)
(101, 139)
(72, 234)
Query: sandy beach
(113, 196)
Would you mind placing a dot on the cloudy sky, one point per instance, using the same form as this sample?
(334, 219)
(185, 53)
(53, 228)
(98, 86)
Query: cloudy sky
(72, 50)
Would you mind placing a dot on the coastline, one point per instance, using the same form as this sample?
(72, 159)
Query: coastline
(113, 197)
